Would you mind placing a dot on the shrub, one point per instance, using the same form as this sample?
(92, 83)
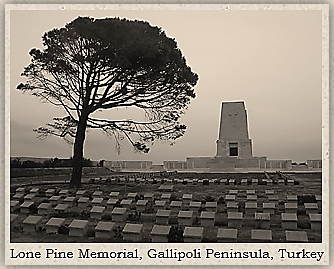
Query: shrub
(106, 217)
(209, 198)
(303, 225)
(221, 222)
(175, 235)
(221, 200)
(173, 221)
(63, 230)
(205, 182)
(90, 233)
(208, 240)
(306, 199)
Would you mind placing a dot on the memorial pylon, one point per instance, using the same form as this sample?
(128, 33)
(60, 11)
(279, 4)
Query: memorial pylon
(233, 140)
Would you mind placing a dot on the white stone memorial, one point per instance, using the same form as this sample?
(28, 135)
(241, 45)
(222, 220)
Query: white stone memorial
(159, 233)
(53, 225)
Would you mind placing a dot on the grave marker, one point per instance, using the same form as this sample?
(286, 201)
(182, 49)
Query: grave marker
(234, 219)
(61, 207)
(83, 202)
(211, 206)
(97, 212)
(162, 216)
(262, 220)
(159, 234)
(25, 207)
(111, 203)
(53, 224)
(44, 209)
(232, 206)
(193, 234)
(268, 208)
(119, 214)
(185, 218)
(261, 236)
(316, 221)
(141, 205)
(97, 201)
(227, 235)
(207, 218)
(291, 208)
(289, 221)
(78, 228)
(250, 207)
(296, 236)
(311, 208)
(104, 229)
(32, 223)
(132, 232)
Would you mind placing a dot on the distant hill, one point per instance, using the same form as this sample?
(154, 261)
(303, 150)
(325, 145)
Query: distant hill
(34, 159)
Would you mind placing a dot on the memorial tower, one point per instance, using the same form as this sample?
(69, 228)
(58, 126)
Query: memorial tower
(233, 140)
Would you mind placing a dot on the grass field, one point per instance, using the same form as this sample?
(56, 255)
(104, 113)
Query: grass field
(306, 187)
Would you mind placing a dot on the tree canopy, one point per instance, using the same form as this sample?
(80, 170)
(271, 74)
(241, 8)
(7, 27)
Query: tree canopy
(97, 64)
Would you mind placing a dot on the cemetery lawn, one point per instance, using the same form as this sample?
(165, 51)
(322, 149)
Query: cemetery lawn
(309, 185)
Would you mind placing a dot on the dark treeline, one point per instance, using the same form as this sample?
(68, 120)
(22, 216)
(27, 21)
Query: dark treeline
(51, 163)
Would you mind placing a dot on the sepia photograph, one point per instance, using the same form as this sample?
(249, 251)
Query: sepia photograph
(167, 134)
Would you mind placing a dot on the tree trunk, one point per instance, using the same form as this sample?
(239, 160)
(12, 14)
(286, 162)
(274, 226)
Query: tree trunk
(78, 152)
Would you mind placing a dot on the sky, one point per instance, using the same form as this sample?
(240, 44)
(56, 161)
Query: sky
(271, 60)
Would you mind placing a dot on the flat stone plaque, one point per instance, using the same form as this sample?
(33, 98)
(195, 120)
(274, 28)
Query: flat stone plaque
(229, 197)
(44, 208)
(251, 197)
(227, 235)
(132, 232)
(233, 192)
(131, 195)
(261, 236)
(78, 227)
(193, 234)
(31, 223)
(211, 206)
(232, 206)
(148, 196)
(296, 236)
(268, 208)
(244, 181)
(34, 190)
(18, 196)
(114, 194)
(168, 188)
(270, 192)
(55, 199)
(24, 208)
(104, 229)
(63, 193)
(53, 224)
(61, 207)
(97, 200)
(50, 192)
(80, 193)
(29, 196)
(250, 192)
